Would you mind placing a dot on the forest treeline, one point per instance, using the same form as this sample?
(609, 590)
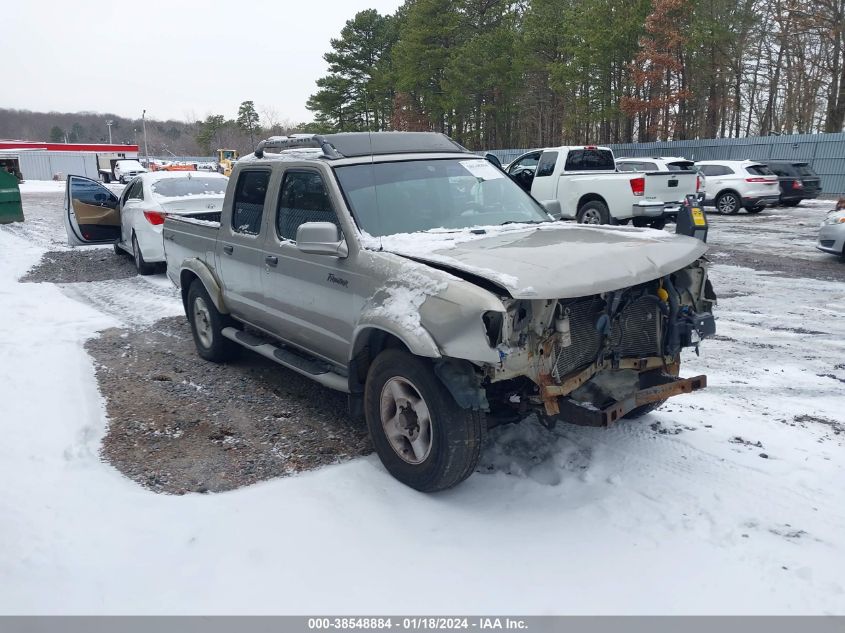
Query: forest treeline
(164, 138)
(503, 73)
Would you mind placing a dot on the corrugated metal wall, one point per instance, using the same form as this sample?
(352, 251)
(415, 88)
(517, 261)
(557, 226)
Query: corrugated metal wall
(43, 165)
(825, 152)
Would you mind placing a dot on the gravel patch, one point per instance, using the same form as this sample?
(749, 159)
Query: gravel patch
(179, 424)
(80, 265)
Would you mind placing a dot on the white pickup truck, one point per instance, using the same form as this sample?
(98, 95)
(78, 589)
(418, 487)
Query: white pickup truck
(584, 181)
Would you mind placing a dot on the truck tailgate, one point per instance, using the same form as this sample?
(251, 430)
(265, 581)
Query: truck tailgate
(188, 238)
(669, 186)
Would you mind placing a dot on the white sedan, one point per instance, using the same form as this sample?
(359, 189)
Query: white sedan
(133, 221)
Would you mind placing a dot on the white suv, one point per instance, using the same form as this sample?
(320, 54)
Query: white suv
(732, 184)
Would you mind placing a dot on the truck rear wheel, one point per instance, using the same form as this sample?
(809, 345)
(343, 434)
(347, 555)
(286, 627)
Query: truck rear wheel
(594, 212)
(207, 326)
(423, 438)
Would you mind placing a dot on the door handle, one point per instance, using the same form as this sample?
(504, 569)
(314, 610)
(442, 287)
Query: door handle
(228, 249)
(271, 260)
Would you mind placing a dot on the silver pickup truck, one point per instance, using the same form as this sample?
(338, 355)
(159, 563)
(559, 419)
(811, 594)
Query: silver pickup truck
(422, 281)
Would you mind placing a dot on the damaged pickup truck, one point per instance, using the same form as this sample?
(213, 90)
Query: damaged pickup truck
(419, 279)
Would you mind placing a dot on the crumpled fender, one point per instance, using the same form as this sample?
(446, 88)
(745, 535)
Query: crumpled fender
(199, 268)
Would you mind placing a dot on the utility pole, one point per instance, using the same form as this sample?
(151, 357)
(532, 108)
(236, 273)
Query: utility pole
(108, 125)
(144, 125)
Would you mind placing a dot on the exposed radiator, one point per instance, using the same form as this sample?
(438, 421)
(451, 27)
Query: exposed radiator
(636, 333)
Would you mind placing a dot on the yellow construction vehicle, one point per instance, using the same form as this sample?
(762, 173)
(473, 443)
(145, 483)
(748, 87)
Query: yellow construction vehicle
(226, 158)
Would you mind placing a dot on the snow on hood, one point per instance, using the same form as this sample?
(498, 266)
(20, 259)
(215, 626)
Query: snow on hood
(550, 261)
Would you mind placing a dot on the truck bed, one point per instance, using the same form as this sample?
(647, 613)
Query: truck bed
(187, 238)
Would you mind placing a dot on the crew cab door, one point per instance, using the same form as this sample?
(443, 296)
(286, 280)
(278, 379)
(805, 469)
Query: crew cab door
(309, 298)
(522, 170)
(240, 244)
(92, 212)
(544, 186)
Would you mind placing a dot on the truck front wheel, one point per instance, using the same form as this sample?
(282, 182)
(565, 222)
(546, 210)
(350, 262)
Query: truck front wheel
(207, 326)
(423, 438)
(594, 212)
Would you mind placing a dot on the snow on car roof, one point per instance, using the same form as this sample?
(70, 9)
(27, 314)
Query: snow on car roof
(154, 176)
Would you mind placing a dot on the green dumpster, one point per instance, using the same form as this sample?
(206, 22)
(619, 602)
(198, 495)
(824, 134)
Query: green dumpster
(11, 209)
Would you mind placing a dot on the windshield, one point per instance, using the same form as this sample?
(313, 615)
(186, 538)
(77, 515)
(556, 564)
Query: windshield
(412, 196)
(177, 187)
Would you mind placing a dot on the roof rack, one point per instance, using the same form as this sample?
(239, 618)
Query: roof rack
(296, 141)
(353, 144)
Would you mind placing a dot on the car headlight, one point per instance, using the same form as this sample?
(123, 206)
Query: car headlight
(836, 219)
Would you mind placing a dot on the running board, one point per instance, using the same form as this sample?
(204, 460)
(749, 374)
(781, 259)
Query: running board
(312, 368)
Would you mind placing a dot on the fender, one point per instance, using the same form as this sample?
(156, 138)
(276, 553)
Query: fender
(419, 342)
(199, 268)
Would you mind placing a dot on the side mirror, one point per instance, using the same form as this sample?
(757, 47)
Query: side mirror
(321, 238)
(553, 208)
(493, 159)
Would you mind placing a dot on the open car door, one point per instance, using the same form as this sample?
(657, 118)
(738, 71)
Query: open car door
(92, 212)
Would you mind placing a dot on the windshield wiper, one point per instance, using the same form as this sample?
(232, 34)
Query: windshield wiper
(523, 222)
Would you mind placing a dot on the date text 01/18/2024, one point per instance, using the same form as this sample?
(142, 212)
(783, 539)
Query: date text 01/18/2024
(416, 623)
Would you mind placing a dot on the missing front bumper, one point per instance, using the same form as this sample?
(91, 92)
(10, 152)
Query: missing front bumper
(585, 415)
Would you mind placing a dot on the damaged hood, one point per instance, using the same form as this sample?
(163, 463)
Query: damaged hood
(551, 261)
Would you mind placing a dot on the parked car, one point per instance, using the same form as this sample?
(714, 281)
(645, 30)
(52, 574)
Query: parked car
(416, 277)
(797, 181)
(731, 185)
(133, 221)
(125, 170)
(832, 233)
(586, 185)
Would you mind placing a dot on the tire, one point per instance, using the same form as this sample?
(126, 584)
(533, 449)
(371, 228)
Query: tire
(207, 326)
(143, 267)
(791, 203)
(754, 210)
(118, 250)
(728, 203)
(439, 459)
(594, 212)
(122, 180)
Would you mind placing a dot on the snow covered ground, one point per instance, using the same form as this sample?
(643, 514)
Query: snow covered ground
(727, 501)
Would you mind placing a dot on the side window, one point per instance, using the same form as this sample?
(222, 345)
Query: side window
(649, 166)
(136, 191)
(546, 166)
(725, 171)
(525, 161)
(248, 206)
(303, 199)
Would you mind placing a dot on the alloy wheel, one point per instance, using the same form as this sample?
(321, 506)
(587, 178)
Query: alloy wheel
(202, 322)
(406, 420)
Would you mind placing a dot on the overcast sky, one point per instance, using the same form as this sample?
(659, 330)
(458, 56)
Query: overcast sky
(178, 59)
